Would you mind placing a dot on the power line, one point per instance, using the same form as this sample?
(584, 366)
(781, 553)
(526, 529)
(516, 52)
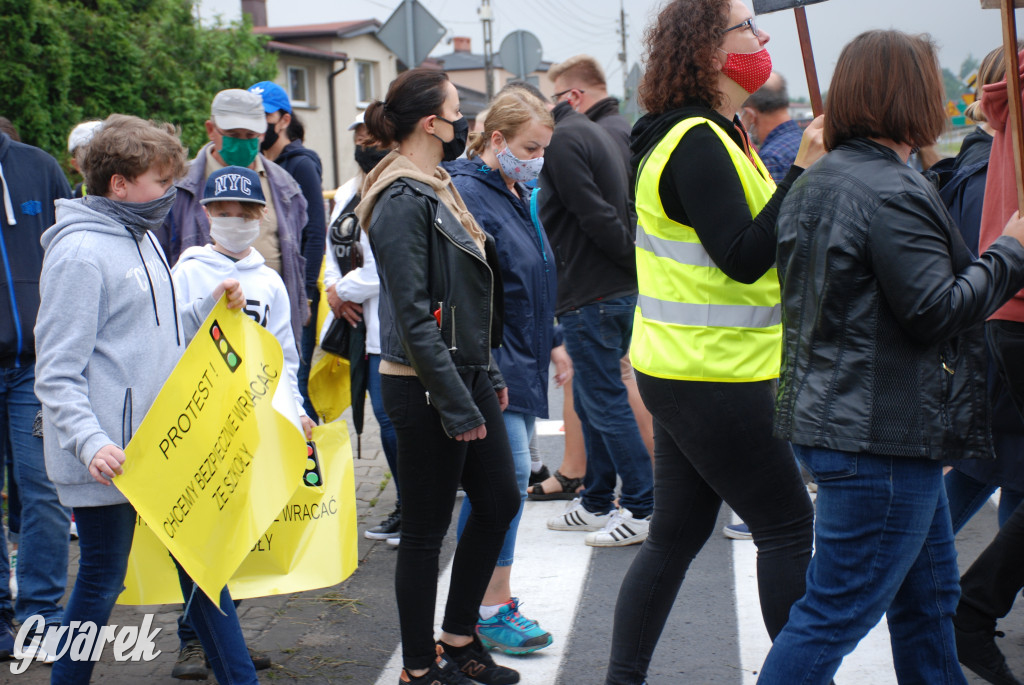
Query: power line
(566, 22)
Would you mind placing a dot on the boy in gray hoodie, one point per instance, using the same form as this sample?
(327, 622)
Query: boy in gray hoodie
(108, 334)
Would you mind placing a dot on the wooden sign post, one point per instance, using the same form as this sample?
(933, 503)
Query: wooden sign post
(1012, 62)
(768, 6)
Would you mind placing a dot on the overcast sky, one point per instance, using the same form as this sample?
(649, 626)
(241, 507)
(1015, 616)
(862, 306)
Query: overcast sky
(569, 27)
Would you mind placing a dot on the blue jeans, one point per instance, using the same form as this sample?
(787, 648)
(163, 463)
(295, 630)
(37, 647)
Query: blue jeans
(520, 432)
(883, 545)
(967, 495)
(105, 540)
(13, 501)
(597, 336)
(388, 440)
(42, 572)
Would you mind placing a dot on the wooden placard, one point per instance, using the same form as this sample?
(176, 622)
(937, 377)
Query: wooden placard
(766, 6)
(989, 4)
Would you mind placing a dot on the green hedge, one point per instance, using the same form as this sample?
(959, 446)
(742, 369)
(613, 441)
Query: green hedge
(64, 61)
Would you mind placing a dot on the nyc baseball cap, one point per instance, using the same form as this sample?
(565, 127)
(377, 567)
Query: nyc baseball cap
(233, 183)
(237, 108)
(274, 97)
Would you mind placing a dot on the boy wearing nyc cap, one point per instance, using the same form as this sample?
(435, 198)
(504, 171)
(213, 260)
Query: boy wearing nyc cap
(234, 204)
(236, 125)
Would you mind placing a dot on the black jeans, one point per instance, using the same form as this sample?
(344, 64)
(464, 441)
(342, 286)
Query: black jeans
(712, 442)
(430, 467)
(990, 585)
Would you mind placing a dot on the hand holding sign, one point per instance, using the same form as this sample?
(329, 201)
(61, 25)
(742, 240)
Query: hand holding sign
(768, 6)
(233, 290)
(106, 464)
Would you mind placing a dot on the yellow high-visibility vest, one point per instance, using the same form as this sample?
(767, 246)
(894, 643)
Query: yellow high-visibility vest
(693, 322)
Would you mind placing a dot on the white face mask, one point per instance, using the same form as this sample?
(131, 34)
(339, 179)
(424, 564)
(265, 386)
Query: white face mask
(234, 233)
(522, 170)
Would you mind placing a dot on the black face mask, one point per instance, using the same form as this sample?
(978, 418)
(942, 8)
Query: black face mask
(457, 145)
(369, 157)
(270, 137)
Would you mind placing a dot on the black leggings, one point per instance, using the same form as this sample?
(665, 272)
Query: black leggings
(712, 442)
(430, 467)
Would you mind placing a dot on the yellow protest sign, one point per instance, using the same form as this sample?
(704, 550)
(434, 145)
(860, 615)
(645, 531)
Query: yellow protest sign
(313, 542)
(329, 385)
(219, 451)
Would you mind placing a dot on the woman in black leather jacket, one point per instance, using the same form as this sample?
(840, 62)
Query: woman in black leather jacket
(883, 372)
(439, 319)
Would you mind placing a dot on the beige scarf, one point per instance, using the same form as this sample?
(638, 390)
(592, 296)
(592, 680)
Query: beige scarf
(396, 166)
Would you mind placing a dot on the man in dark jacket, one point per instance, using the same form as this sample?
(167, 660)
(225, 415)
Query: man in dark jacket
(580, 81)
(32, 180)
(584, 206)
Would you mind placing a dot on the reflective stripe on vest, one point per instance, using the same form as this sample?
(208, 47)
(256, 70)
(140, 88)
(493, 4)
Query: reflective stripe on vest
(692, 321)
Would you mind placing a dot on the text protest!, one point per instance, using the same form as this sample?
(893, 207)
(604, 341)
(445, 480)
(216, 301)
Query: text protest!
(219, 452)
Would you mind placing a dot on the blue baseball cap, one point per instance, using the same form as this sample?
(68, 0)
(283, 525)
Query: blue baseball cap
(233, 183)
(274, 97)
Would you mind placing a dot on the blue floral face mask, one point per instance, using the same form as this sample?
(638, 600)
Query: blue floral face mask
(521, 170)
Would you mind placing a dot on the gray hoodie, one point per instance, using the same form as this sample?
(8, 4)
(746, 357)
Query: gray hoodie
(108, 334)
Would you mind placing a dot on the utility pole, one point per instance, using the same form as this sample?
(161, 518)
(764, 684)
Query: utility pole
(487, 16)
(622, 55)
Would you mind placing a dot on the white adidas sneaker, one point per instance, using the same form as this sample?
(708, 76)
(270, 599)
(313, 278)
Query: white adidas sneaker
(621, 530)
(575, 517)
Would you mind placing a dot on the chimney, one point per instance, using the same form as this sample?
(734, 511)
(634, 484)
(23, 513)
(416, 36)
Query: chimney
(461, 44)
(257, 10)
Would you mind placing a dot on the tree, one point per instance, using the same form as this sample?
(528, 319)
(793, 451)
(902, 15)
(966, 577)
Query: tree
(69, 60)
(969, 64)
(954, 86)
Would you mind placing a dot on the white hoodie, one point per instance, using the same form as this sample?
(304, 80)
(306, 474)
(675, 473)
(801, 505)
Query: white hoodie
(200, 269)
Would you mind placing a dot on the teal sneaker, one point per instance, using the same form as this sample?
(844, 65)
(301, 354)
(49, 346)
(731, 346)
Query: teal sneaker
(511, 632)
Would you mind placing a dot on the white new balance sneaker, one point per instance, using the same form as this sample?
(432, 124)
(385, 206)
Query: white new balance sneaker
(621, 530)
(575, 517)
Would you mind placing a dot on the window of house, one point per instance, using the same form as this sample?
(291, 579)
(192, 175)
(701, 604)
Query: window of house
(365, 83)
(298, 86)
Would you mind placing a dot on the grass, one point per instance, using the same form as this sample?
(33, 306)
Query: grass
(334, 597)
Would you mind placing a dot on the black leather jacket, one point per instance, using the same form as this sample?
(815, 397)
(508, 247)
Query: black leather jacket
(883, 307)
(427, 264)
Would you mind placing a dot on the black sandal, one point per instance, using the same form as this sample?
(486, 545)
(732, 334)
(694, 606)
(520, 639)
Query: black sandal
(568, 491)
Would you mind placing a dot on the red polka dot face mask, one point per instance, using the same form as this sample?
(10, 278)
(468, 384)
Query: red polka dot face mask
(749, 70)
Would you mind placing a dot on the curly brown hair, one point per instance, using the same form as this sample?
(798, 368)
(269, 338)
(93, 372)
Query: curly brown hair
(680, 45)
